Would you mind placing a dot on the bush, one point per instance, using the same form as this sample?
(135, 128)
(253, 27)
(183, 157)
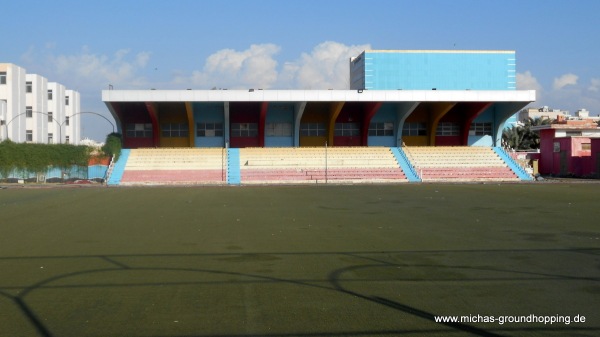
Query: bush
(38, 157)
(112, 145)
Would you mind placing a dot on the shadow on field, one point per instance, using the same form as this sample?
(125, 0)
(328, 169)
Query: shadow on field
(347, 281)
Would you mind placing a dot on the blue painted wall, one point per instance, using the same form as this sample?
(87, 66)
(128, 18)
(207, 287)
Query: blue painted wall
(485, 117)
(208, 113)
(441, 70)
(280, 113)
(387, 113)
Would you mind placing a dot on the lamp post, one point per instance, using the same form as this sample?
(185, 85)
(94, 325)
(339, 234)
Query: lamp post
(60, 125)
(37, 112)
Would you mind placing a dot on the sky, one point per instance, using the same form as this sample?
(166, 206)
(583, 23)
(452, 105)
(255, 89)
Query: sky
(289, 44)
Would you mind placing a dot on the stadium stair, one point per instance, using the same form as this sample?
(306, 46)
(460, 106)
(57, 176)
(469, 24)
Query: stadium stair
(517, 169)
(119, 168)
(405, 164)
(233, 167)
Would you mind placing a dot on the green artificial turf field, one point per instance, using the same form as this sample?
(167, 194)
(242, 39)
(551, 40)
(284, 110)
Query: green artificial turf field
(300, 260)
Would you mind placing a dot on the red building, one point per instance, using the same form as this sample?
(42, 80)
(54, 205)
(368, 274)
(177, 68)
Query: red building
(569, 147)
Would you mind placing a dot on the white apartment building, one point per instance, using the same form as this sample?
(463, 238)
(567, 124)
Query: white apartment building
(35, 110)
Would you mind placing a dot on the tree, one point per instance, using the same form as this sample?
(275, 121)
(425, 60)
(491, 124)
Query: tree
(521, 137)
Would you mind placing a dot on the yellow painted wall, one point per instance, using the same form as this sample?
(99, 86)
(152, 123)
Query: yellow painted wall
(315, 113)
(415, 140)
(173, 113)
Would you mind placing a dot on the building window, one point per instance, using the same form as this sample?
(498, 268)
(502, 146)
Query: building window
(66, 100)
(28, 87)
(29, 135)
(3, 77)
(278, 129)
(67, 121)
(381, 129)
(448, 129)
(347, 129)
(138, 130)
(312, 129)
(209, 129)
(49, 95)
(28, 112)
(174, 130)
(50, 117)
(414, 129)
(480, 129)
(50, 138)
(67, 139)
(244, 129)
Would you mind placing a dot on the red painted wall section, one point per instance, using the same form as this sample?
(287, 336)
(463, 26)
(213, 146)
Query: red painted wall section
(546, 162)
(595, 158)
(370, 109)
(134, 113)
(244, 112)
(468, 113)
(155, 126)
(581, 164)
(261, 123)
(351, 113)
(455, 115)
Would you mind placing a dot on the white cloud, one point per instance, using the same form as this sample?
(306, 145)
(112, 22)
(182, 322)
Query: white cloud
(565, 80)
(594, 85)
(326, 67)
(526, 81)
(86, 70)
(254, 67)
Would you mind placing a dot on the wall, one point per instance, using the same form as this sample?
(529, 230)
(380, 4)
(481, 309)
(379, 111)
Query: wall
(443, 70)
(315, 113)
(595, 158)
(242, 112)
(386, 114)
(280, 113)
(208, 113)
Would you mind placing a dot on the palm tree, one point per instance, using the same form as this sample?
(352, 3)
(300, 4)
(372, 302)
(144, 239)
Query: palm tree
(521, 137)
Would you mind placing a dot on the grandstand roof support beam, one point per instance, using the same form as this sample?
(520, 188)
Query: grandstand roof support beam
(437, 111)
(298, 112)
(226, 124)
(153, 113)
(116, 114)
(191, 127)
(370, 111)
(403, 110)
(502, 112)
(334, 111)
(264, 106)
(473, 110)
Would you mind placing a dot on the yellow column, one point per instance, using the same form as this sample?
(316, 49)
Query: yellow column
(437, 111)
(191, 126)
(334, 111)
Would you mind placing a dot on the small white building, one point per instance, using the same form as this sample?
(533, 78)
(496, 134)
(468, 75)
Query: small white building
(35, 110)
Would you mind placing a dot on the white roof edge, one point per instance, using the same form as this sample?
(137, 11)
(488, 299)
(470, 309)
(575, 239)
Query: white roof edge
(318, 95)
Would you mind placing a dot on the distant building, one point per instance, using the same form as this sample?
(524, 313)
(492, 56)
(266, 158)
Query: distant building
(554, 114)
(569, 147)
(35, 110)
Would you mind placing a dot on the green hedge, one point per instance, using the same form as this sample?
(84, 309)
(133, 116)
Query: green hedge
(38, 157)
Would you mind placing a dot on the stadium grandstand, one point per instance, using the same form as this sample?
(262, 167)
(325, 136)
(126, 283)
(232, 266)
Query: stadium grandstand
(370, 133)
